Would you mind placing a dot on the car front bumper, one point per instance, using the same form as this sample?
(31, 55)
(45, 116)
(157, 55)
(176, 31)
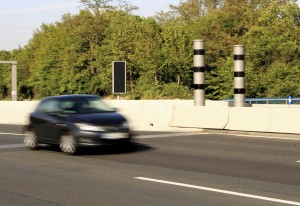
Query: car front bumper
(92, 138)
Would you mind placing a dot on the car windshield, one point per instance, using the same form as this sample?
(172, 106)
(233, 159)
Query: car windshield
(84, 106)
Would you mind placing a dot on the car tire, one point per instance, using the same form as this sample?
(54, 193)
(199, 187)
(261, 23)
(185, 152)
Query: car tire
(30, 140)
(67, 144)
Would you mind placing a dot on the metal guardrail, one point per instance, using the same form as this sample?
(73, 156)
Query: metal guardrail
(291, 100)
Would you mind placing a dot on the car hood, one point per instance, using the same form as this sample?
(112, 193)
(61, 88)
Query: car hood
(111, 118)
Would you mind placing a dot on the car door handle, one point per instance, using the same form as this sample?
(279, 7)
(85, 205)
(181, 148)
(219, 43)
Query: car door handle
(60, 124)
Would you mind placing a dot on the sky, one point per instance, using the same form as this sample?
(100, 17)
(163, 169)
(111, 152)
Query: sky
(20, 18)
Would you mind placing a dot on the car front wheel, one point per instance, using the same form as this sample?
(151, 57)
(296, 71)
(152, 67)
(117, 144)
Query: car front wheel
(67, 144)
(30, 140)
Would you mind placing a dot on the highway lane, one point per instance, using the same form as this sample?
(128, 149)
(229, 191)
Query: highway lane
(164, 169)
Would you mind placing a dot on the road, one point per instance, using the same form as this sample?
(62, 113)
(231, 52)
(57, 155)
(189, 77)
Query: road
(165, 168)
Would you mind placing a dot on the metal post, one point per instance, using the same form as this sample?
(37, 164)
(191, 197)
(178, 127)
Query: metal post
(290, 102)
(239, 76)
(14, 82)
(199, 68)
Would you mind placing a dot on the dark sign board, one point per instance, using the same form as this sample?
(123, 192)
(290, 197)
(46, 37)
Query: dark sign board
(119, 77)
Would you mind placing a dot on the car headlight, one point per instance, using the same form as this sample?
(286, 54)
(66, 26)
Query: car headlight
(88, 127)
(125, 125)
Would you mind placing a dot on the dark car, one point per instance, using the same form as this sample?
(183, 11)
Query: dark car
(73, 121)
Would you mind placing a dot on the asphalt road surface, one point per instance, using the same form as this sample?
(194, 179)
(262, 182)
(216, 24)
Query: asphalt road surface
(164, 168)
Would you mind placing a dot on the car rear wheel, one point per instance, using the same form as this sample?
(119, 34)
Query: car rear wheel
(67, 144)
(30, 140)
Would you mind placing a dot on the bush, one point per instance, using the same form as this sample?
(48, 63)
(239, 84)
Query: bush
(146, 89)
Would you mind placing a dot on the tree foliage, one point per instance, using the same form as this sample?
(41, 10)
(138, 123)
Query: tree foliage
(75, 54)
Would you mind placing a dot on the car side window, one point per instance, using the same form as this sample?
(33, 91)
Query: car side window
(48, 106)
(69, 107)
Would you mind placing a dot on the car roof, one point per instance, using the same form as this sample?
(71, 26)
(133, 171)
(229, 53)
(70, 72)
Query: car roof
(70, 96)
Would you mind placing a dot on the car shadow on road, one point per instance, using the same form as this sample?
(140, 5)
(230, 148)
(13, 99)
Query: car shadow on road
(104, 149)
(114, 149)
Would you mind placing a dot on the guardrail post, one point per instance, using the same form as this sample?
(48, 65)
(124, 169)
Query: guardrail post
(199, 68)
(239, 76)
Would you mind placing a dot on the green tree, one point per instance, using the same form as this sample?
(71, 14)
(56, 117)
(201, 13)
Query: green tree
(75, 54)
(274, 42)
(5, 74)
(98, 7)
(193, 9)
(177, 49)
(23, 58)
(119, 44)
(149, 49)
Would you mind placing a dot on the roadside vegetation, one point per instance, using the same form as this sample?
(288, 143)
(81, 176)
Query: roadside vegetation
(75, 54)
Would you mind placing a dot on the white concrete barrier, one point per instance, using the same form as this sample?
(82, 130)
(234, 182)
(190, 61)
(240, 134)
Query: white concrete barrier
(285, 120)
(250, 119)
(265, 119)
(142, 114)
(208, 117)
(178, 114)
(156, 114)
(131, 109)
(16, 112)
(148, 114)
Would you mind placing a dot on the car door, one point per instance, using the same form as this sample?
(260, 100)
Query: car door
(47, 122)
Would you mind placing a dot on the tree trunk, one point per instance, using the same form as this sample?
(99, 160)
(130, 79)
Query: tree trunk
(131, 81)
(178, 79)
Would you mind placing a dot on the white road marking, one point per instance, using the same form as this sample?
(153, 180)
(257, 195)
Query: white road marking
(298, 161)
(166, 135)
(187, 134)
(220, 191)
(11, 134)
(10, 146)
(268, 137)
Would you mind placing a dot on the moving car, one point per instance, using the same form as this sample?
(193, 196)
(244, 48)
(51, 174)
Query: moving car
(73, 121)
